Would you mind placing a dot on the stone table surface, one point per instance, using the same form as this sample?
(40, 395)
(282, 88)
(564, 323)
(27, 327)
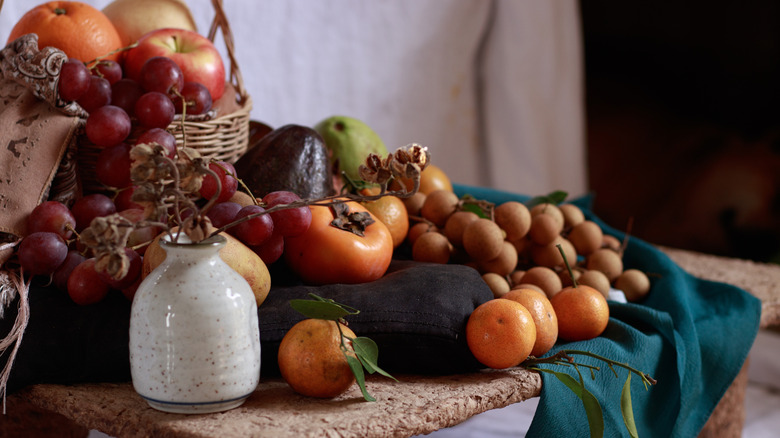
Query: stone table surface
(414, 405)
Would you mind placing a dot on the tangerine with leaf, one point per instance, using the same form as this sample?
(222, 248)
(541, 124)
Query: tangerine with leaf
(500, 333)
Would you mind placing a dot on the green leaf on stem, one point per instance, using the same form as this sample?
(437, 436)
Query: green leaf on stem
(589, 402)
(360, 378)
(322, 308)
(555, 197)
(627, 408)
(469, 204)
(368, 353)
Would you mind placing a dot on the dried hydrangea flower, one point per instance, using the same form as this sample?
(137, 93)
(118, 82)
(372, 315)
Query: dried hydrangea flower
(375, 170)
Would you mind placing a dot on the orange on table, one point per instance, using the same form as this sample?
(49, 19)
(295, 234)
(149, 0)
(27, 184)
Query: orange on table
(311, 360)
(543, 313)
(391, 211)
(582, 313)
(500, 333)
(76, 28)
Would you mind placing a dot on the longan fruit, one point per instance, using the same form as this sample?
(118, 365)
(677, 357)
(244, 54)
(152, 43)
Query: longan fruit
(586, 237)
(545, 278)
(514, 218)
(414, 203)
(544, 229)
(611, 242)
(548, 208)
(565, 277)
(523, 248)
(504, 264)
(498, 284)
(431, 248)
(550, 256)
(595, 279)
(606, 261)
(456, 224)
(417, 229)
(634, 283)
(483, 239)
(438, 206)
(515, 277)
(528, 286)
(572, 215)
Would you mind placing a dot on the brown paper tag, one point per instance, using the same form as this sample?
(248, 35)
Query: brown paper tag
(33, 138)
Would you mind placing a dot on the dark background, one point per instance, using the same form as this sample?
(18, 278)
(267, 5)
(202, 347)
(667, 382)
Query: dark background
(683, 122)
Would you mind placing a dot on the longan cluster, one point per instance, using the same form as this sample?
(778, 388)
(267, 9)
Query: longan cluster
(518, 246)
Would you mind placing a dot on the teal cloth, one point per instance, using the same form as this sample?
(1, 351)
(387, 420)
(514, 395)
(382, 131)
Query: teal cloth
(691, 335)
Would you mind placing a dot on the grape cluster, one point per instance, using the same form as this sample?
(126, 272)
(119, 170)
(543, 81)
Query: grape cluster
(117, 105)
(146, 106)
(517, 247)
(265, 232)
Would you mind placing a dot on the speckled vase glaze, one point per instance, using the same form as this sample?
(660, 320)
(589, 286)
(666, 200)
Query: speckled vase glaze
(194, 337)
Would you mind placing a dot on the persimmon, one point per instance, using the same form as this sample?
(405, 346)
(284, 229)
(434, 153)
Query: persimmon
(78, 29)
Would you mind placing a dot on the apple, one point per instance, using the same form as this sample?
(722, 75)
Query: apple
(134, 18)
(196, 56)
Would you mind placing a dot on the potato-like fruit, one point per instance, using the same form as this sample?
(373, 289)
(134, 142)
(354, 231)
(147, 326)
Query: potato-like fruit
(606, 261)
(483, 239)
(237, 255)
(438, 206)
(514, 218)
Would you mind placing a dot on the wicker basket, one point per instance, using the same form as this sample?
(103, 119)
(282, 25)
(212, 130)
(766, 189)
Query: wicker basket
(222, 136)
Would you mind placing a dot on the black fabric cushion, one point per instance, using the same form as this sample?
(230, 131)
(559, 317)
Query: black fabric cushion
(416, 314)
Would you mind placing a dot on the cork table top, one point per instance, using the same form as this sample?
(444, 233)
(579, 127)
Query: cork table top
(414, 405)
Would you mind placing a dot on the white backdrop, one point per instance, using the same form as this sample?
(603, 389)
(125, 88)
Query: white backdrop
(492, 87)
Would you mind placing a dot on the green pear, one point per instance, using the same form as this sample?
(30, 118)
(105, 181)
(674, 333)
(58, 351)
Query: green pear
(350, 141)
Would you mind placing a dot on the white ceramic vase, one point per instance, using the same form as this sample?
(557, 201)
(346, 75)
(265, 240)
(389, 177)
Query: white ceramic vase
(194, 337)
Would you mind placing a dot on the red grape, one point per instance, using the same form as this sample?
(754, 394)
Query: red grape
(161, 137)
(108, 125)
(52, 216)
(60, 277)
(133, 272)
(98, 94)
(91, 206)
(85, 285)
(270, 250)
(112, 166)
(109, 69)
(256, 230)
(122, 199)
(197, 97)
(154, 110)
(125, 93)
(289, 221)
(161, 74)
(223, 213)
(225, 171)
(42, 253)
(74, 80)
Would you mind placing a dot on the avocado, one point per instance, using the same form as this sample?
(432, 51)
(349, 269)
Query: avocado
(350, 141)
(292, 158)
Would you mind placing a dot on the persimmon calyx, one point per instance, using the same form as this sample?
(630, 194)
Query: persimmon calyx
(355, 222)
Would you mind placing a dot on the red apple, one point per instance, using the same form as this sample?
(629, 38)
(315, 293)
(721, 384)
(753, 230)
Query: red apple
(196, 56)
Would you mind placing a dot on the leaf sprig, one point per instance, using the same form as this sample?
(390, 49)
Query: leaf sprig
(361, 353)
(589, 401)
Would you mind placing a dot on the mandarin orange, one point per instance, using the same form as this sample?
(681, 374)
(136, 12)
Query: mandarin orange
(543, 314)
(582, 312)
(311, 360)
(76, 28)
(500, 333)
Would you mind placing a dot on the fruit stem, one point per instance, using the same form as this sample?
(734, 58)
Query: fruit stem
(563, 357)
(568, 267)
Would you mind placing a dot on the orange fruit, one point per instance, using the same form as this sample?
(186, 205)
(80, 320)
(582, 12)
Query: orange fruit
(432, 178)
(500, 333)
(76, 28)
(545, 318)
(582, 312)
(391, 211)
(311, 360)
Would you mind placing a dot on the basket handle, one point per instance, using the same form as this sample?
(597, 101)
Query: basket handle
(220, 21)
